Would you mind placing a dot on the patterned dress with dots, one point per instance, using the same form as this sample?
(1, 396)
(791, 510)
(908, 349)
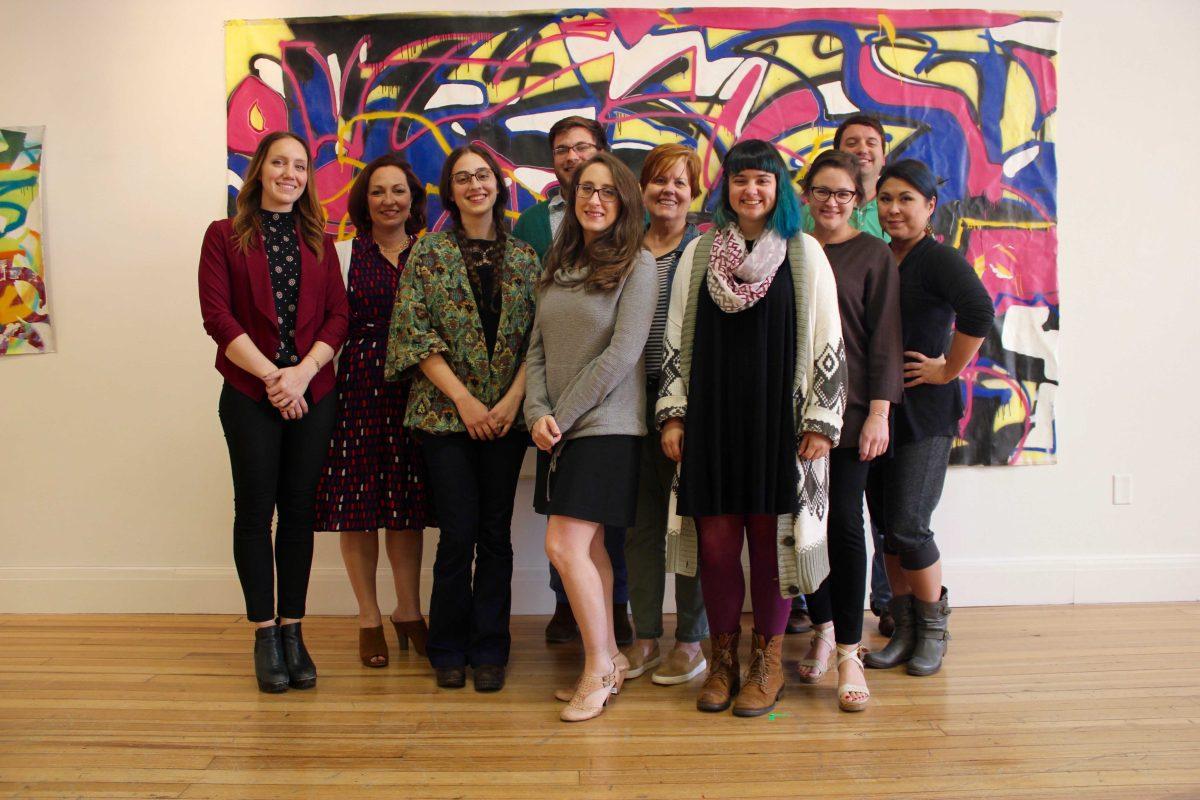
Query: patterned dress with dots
(374, 474)
(283, 259)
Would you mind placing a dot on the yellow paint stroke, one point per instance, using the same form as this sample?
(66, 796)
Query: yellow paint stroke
(669, 17)
(18, 300)
(889, 30)
(257, 121)
(245, 39)
(970, 224)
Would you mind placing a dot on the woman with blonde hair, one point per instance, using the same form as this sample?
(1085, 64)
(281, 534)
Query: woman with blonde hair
(670, 181)
(272, 298)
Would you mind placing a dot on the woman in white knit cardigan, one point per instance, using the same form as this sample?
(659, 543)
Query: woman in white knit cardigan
(753, 390)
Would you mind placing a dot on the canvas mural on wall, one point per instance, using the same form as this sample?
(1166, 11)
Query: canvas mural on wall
(24, 314)
(971, 93)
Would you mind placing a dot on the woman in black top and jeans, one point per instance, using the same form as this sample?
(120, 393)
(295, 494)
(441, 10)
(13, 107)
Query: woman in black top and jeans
(938, 289)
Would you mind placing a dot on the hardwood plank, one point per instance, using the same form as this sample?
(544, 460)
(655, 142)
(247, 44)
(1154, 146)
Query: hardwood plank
(1031, 703)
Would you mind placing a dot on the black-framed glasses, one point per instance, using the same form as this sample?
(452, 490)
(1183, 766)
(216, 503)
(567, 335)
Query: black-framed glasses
(607, 193)
(463, 178)
(580, 148)
(840, 196)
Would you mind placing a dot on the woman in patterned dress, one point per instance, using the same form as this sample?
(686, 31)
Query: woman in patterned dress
(375, 475)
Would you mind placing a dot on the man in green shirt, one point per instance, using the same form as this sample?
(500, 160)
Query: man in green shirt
(573, 140)
(861, 136)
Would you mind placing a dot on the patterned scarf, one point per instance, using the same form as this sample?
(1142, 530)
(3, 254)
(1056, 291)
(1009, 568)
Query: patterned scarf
(737, 279)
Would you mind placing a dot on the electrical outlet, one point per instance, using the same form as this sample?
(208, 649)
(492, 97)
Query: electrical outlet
(1122, 490)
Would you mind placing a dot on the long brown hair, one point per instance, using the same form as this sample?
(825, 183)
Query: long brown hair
(249, 200)
(611, 255)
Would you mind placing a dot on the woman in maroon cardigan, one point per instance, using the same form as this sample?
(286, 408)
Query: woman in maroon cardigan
(272, 297)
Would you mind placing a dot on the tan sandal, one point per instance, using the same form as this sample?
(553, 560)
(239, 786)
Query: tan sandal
(592, 694)
(372, 647)
(620, 661)
(819, 666)
(845, 690)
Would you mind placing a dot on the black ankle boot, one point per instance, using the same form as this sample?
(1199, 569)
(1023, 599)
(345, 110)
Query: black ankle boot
(932, 635)
(269, 666)
(301, 671)
(899, 649)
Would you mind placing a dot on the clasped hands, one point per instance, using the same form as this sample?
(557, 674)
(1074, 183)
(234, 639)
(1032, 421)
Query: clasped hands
(286, 387)
(488, 423)
(812, 445)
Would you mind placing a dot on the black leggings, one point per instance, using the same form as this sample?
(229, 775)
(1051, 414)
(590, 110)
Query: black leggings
(840, 596)
(276, 464)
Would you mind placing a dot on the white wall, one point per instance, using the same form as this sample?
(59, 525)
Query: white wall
(115, 492)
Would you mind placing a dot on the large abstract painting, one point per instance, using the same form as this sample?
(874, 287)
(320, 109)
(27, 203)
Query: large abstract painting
(971, 93)
(24, 315)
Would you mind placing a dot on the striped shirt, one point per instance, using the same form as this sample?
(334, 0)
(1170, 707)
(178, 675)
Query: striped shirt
(654, 344)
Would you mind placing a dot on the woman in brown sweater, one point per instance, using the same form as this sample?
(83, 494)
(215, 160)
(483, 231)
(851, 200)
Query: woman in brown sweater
(868, 299)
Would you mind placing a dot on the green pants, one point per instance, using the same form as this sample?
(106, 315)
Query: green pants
(646, 553)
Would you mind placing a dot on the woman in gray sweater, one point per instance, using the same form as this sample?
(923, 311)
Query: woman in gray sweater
(585, 400)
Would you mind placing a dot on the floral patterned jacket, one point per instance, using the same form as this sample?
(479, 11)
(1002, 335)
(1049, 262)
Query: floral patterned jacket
(435, 312)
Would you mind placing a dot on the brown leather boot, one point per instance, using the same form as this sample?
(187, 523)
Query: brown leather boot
(723, 675)
(764, 681)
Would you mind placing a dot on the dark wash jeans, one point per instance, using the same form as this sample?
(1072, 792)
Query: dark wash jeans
(276, 464)
(473, 484)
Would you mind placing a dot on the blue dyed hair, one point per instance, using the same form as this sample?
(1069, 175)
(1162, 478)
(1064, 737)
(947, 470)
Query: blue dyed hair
(760, 155)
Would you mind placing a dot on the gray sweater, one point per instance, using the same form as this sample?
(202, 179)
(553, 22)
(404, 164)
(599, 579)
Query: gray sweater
(584, 364)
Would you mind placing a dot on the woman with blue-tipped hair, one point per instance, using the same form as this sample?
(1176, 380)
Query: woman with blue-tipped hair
(751, 402)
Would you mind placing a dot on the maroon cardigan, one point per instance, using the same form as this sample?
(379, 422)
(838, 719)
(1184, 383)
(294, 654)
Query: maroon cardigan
(236, 298)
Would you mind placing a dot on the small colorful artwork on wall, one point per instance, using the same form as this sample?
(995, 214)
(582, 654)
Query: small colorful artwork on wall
(24, 314)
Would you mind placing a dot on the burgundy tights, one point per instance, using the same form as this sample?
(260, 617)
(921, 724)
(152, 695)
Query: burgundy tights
(721, 578)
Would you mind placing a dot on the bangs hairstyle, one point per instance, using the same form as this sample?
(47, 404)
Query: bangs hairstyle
(835, 159)
(663, 157)
(357, 204)
(860, 119)
(915, 174)
(611, 255)
(246, 225)
(446, 185)
(760, 155)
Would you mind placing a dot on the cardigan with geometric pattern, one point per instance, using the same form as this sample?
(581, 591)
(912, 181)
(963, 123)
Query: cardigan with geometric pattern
(818, 397)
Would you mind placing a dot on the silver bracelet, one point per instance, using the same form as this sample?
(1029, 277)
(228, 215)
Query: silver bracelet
(880, 414)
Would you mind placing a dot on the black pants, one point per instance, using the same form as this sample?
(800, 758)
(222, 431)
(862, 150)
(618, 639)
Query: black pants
(903, 492)
(840, 596)
(473, 483)
(276, 464)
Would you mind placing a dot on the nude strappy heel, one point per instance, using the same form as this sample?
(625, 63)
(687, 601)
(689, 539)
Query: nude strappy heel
(592, 694)
(845, 690)
(819, 666)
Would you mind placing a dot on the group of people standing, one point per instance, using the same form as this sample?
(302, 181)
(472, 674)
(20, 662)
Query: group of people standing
(687, 392)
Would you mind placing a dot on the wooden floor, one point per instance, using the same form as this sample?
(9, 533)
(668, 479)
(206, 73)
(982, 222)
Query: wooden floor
(1056, 702)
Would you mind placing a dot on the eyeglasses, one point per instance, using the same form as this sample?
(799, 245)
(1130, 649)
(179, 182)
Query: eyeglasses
(841, 196)
(580, 148)
(607, 193)
(463, 178)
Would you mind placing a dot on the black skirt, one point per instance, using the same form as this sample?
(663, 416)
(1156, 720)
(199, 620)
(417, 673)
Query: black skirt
(594, 478)
(739, 441)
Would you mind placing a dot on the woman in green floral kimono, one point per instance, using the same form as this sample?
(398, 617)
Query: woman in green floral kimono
(464, 309)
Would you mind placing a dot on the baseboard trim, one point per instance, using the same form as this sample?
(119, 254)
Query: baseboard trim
(215, 590)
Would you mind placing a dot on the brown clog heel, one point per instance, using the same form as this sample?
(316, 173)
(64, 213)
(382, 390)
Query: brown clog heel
(372, 647)
(413, 629)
